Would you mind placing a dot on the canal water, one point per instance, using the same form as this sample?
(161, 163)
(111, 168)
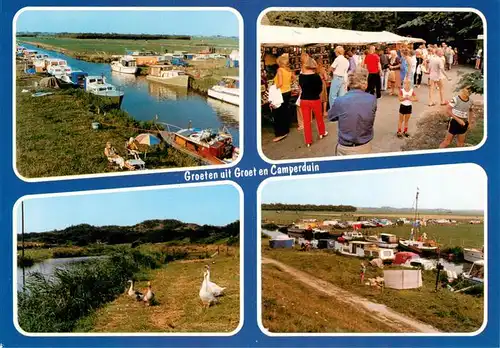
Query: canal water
(144, 99)
(48, 267)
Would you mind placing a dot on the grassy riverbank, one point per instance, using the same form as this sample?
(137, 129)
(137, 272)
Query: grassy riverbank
(90, 296)
(54, 136)
(445, 310)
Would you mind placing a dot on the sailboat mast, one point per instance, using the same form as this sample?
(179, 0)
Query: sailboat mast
(22, 228)
(417, 229)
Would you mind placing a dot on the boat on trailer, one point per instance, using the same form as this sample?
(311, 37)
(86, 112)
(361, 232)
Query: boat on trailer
(204, 144)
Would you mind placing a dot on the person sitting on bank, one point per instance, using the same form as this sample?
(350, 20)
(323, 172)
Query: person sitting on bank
(113, 157)
(355, 113)
(132, 148)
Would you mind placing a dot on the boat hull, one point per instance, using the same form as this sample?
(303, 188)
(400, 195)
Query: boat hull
(115, 100)
(124, 69)
(225, 97)
(472, 255)
(179, 81)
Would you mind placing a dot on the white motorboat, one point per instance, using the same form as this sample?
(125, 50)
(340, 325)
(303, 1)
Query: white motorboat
(126, 65)
(473, 255)
(97, 85)
(57, 67)
(168, 75)
(385, 240)
(351, 235)
(227, 90)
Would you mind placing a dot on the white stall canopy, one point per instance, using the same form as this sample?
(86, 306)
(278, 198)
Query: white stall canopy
(272, 35)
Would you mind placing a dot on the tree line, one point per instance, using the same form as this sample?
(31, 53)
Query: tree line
(309, 207)
(150, 231)
(111, 36)
(433, 27)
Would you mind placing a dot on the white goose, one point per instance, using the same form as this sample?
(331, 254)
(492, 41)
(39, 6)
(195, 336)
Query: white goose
(134, 293)
(216, 290)
(206, 295)
(149, 295)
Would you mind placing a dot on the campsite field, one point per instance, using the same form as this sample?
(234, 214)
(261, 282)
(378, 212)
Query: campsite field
(118, 46)
(288, 216)
(178, 307)
(444, 310)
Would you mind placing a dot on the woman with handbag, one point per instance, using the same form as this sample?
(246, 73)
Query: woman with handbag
(281, 115)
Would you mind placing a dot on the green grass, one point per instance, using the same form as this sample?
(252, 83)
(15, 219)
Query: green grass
(54, 136)
(290, 306)
(178, 307)
(111, 46)
(445, 310)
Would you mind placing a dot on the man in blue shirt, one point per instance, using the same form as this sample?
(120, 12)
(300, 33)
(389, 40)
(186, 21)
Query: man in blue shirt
(355, 113)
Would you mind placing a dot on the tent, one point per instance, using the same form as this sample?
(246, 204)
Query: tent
(273, 35)
(403, 279)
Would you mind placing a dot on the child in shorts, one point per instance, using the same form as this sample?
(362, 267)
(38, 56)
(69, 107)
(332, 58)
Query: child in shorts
(406, 96)
(461, 118)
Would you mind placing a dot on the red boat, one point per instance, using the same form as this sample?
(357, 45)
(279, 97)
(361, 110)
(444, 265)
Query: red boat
(204, 144)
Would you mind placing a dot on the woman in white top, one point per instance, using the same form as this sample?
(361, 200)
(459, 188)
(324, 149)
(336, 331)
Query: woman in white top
(339, 67)
(478, 59)
(406, 97)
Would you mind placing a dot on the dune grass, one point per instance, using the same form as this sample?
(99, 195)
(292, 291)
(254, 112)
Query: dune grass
(178, 307)
(290, 306)
(54, 136)
(445, 310)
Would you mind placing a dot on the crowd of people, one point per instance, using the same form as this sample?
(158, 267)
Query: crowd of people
(357, 79)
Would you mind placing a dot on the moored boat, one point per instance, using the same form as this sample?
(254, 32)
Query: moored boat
(56, 67)
(227, 90)
(473, 255)
(418, 244)
(76, 79)
(125, 65)
(97, 85)
(209, 146)
(168, 75)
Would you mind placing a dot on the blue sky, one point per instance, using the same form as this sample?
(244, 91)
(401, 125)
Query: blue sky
(203, 22)
(213, 205)
(459, 187)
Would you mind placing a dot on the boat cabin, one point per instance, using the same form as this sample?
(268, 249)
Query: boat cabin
(165, 71)
(78, 78)
(128, 61)
(357, 248)
(352, 235)
(30, 53)
(388, 238)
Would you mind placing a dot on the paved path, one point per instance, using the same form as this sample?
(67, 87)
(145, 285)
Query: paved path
(400, 322)
(385, 128)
